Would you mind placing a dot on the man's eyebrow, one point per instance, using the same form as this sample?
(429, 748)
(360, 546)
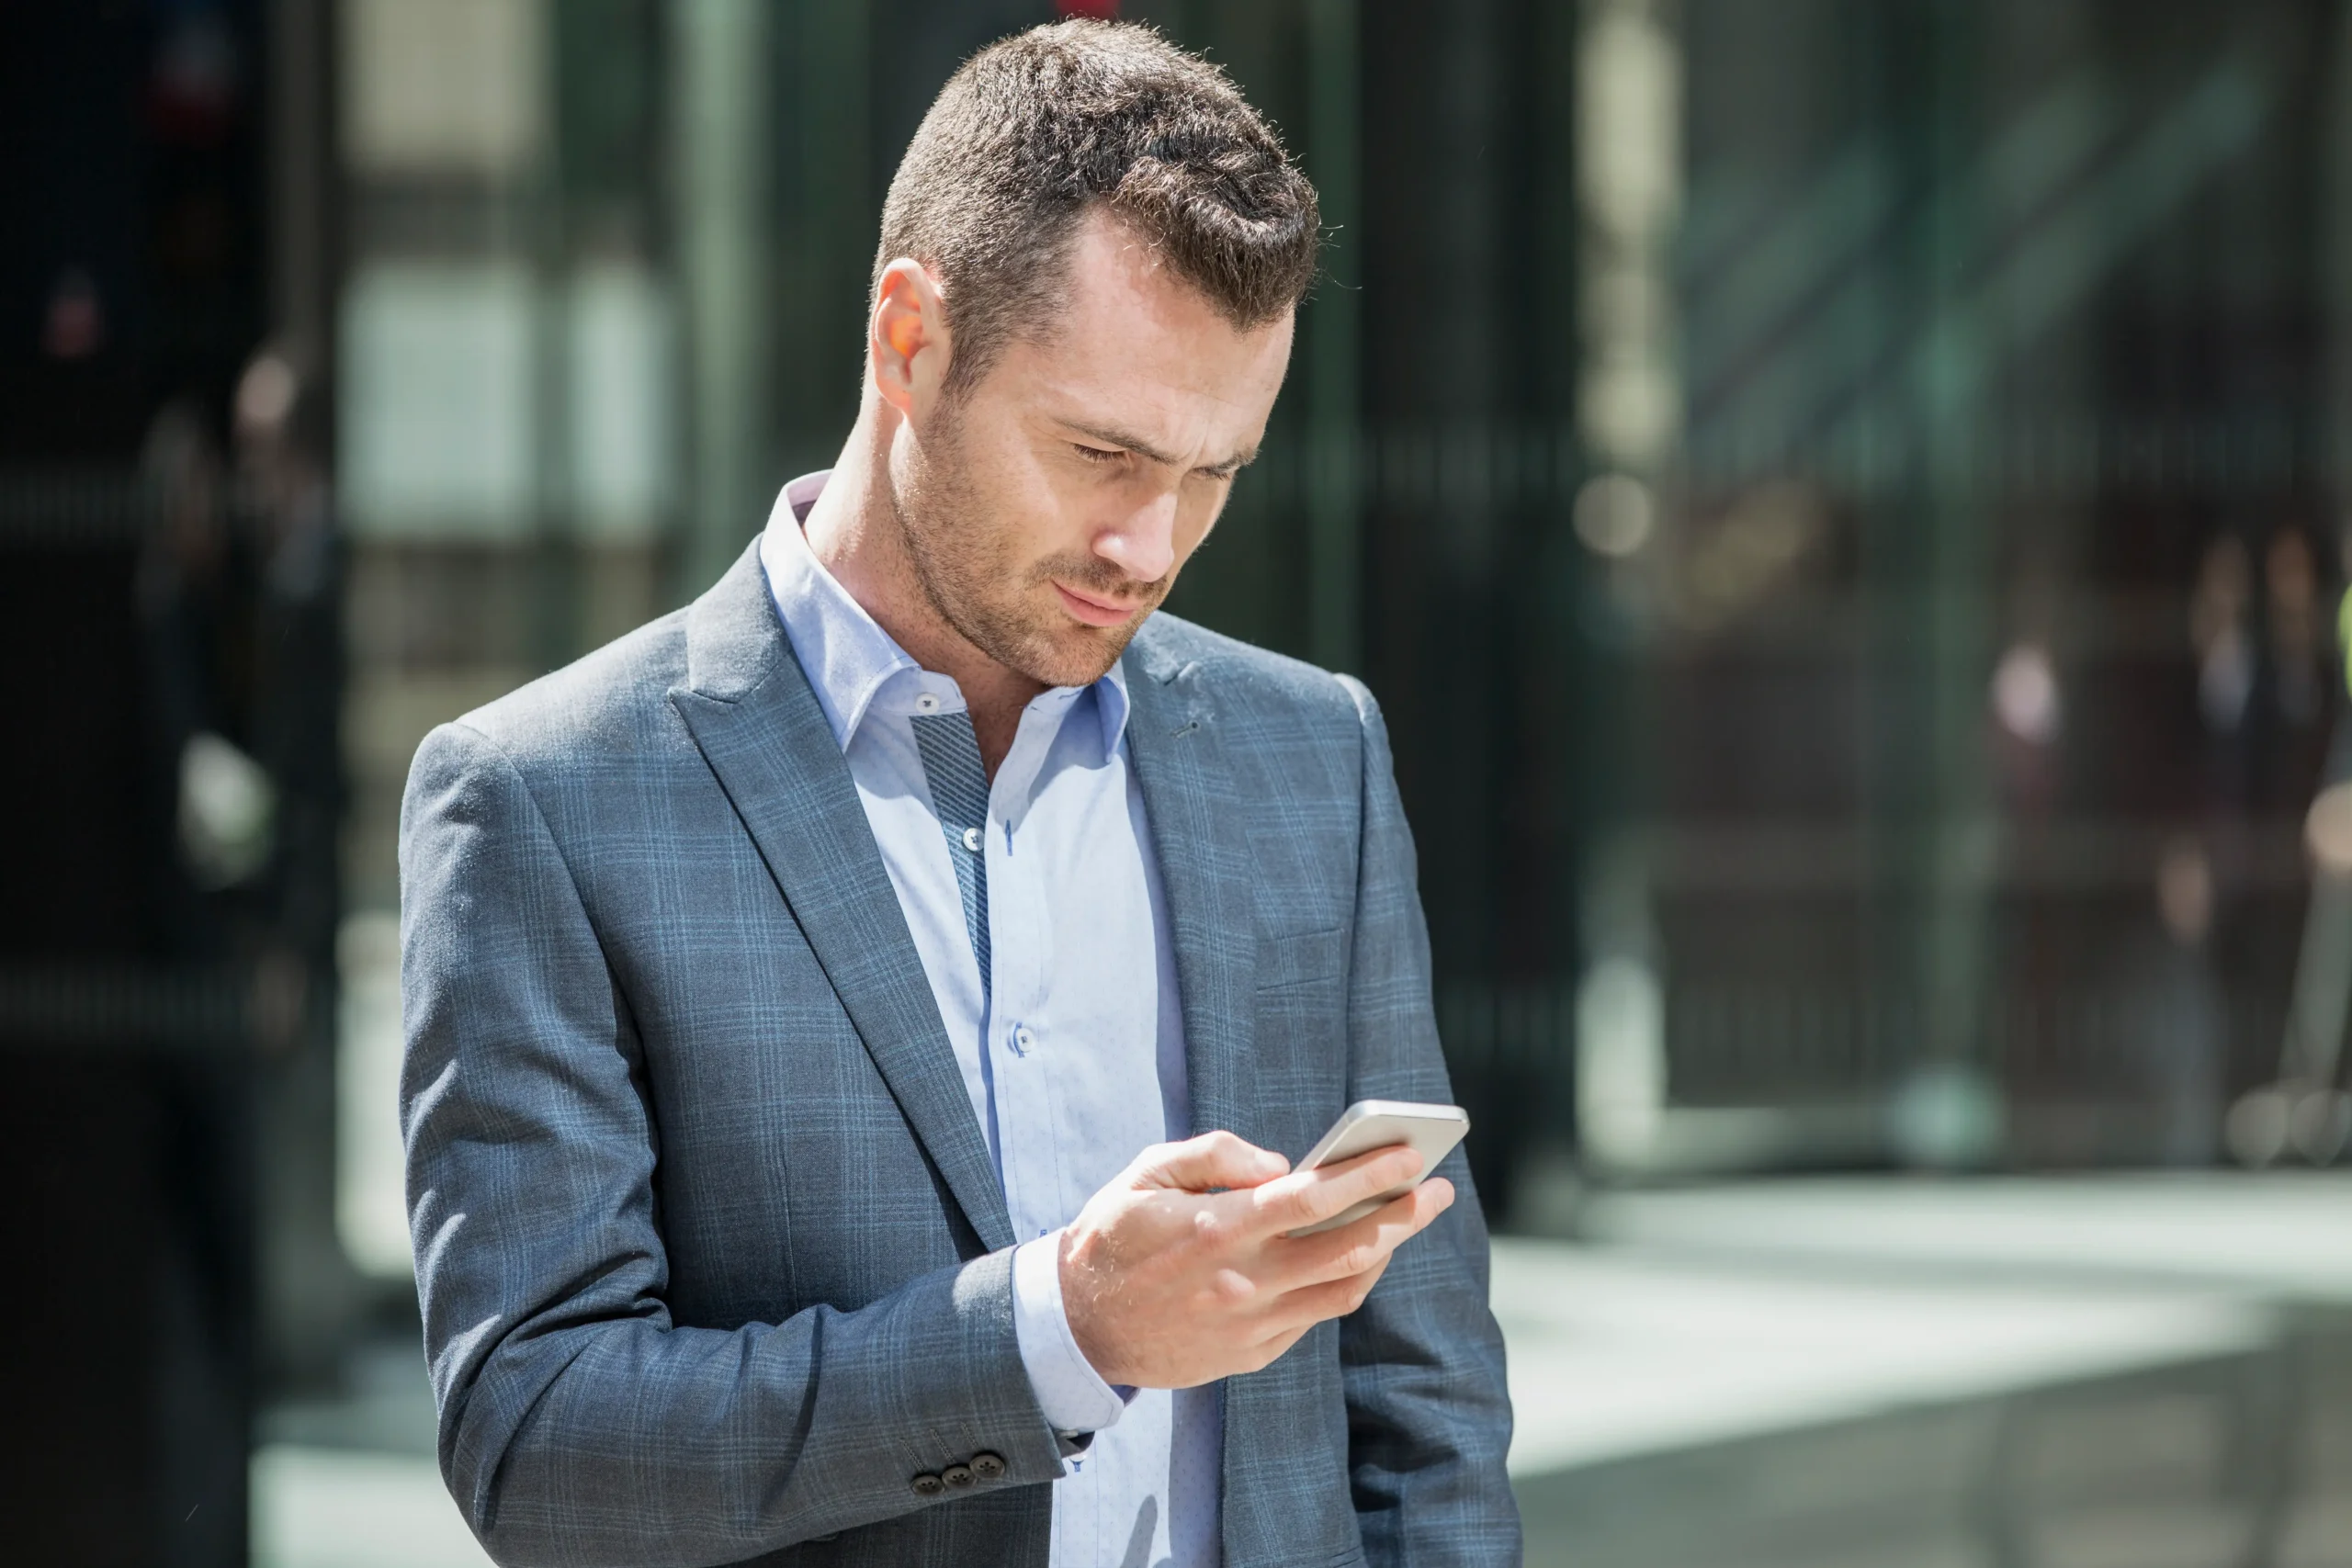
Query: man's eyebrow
(1110, 437)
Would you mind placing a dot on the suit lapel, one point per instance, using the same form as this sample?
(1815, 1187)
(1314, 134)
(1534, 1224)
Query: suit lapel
(1178, 746)
(751, 710)
(1177, 743)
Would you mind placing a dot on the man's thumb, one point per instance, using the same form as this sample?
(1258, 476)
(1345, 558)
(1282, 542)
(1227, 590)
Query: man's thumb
(1208, 1162)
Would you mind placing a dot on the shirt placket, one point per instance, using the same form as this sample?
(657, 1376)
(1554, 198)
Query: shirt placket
(1021, 1035)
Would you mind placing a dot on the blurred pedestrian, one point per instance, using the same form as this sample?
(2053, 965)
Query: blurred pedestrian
(286, 503)
(194, 604)
(2184, 1034)
(297, 677)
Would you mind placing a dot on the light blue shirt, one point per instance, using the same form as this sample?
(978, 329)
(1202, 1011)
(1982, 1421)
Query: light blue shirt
(1073, 1053)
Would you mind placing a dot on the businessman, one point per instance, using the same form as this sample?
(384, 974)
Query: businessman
(859, 1026)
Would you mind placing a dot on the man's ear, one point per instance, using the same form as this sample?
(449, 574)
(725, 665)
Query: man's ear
(909, 345)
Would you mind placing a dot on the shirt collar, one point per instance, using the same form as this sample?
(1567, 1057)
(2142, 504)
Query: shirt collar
(1111, 705)
(847, 655)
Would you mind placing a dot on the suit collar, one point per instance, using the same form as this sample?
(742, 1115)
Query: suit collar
(1176, 738)
(734, 644)
(1158, 650)
(759, 726)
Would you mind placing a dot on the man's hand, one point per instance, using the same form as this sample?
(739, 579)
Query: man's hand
(1168, 1284)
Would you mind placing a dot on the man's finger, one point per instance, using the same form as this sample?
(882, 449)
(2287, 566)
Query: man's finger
(1343, 1253)
(1302, 1309)
(1264, 1352)
(1205, 1163)
(1307, 1197)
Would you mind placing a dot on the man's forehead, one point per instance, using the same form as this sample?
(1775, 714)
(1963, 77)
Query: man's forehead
(1131, 323)
(1112, 267)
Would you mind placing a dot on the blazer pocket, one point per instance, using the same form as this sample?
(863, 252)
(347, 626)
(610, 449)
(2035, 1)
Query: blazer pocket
(1301, 958)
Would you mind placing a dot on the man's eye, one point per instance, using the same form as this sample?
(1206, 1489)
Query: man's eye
(1096, 453)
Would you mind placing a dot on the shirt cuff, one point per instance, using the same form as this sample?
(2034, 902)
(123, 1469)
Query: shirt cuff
(1070, 1390)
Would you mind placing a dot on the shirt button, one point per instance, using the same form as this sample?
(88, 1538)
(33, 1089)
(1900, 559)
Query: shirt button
(1023, 1039)
(972, 840)
(927, 700)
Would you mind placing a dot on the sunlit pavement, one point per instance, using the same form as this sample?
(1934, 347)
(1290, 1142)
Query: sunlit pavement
(2103, 1372)
(2135, 1371)
(321, 1507)
(352, 1483)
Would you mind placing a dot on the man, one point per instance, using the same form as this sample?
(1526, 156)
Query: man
(858, 1026)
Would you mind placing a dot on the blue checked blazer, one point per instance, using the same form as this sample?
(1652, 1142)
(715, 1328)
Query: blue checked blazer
(712, 1256)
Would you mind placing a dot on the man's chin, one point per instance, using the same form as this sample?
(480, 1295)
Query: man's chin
(1079, 656)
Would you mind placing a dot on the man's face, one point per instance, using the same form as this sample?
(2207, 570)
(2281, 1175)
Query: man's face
(1048, 508)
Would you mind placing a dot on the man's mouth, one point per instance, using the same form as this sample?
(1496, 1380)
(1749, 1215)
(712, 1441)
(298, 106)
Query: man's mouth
(1093, 610)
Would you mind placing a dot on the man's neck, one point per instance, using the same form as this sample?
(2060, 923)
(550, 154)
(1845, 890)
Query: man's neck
(854, 531)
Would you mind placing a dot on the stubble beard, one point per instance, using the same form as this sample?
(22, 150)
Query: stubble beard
(964, 561)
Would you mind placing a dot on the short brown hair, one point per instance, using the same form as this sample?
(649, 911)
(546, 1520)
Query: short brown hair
(1040, 127)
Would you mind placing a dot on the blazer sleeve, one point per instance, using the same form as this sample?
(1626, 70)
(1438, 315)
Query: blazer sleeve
(578, 1424)
(1429, 1415)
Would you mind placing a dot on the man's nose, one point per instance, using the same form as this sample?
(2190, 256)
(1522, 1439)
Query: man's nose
(1144, 544)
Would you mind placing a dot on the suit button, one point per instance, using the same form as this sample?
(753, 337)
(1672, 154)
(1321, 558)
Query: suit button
(929, 1486)
(988, 1466)
(957, 1475)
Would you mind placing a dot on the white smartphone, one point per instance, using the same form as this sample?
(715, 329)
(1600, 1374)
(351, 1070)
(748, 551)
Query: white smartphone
(1370, 1124)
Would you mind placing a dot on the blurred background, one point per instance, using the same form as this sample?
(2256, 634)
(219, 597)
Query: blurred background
(1847, 506)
